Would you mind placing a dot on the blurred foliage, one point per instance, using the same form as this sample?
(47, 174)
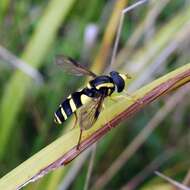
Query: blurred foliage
(32, 127)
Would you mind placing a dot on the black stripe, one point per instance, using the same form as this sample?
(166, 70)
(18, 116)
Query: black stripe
(60, 115)
(76, 99)
(118, 80)
(67, 108)
(100, 80)
(89, 92)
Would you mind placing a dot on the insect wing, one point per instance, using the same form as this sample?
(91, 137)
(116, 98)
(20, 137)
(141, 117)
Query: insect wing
(70, 65)
(88, 114)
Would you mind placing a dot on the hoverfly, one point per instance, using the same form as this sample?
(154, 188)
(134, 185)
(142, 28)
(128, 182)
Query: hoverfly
(88, 100)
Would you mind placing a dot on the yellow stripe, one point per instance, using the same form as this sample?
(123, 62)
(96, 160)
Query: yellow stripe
(72, 104)
(57, 120)
(108, 85)
(123, 76)
(63, 113)
(84, 99)
(89, 86)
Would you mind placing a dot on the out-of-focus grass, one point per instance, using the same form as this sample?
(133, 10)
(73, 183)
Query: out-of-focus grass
(35, 106)
(3, 8)
(34, 54)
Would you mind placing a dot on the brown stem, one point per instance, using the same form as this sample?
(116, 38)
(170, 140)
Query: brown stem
(161, 89)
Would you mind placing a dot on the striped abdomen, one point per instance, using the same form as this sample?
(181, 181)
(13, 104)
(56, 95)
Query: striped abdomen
(70, 105)
(101, 85)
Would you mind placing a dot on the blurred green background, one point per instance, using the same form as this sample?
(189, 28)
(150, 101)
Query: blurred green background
(154, 41)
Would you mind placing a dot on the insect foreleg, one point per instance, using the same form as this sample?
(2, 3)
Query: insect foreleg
(131, 97)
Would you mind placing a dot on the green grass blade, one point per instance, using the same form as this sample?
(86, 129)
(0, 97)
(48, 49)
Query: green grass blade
(63, 150)
(34, 54)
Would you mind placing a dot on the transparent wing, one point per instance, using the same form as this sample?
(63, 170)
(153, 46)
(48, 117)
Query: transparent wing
(72, 66)
(88, 114)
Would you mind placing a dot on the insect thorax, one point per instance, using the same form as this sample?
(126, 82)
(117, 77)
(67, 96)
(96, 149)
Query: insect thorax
(118, 80)
(102, 85)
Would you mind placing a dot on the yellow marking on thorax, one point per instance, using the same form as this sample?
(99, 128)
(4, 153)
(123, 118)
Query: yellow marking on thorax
(123, 76)
(72, 104)
(108, 85)
(57, 119)
(63, 113)
(89, 86)
(84, 99)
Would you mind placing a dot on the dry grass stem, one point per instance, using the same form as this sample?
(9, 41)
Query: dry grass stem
(21, 65)
(148, 170)
(172, 182)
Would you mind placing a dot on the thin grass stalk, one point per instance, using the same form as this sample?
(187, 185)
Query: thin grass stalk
(20, 65)
(165, 35)
(73, 171)
(149, 169)
(172, 152)
(159, 60)
(187, 179)
(138, 33)
(90, 167)
(172, 182)
(108, 38)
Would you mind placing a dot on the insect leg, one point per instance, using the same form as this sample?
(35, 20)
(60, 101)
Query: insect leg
(125, 95)
(103, 106)
(76, 120)
(105, 118)
(80, 136)
(131, 98)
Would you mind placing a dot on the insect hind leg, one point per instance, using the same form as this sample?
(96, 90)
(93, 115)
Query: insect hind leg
(79, 140)
(76, 120)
